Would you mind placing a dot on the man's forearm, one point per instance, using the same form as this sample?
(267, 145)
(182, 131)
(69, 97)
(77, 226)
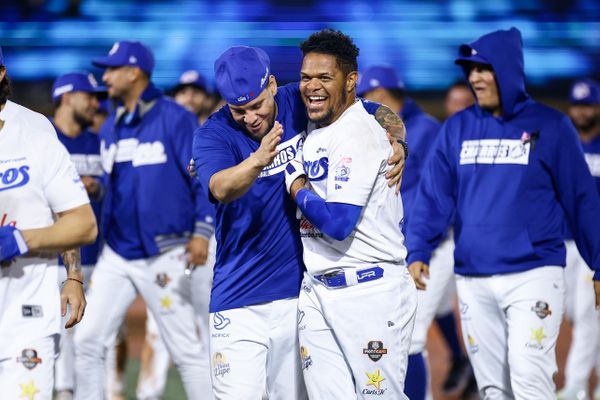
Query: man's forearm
(74, 228)
(391, 122)
(232, 183)
(72, 260)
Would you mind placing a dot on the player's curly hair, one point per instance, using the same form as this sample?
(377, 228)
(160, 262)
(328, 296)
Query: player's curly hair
(335, 43)
(5, 89)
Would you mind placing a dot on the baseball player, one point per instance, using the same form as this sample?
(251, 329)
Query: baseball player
(191, 92)
(508, 169)
(75, 98)
(240, 154)
(584, 111)
(357, 306)
(153, 213)
(44, 210)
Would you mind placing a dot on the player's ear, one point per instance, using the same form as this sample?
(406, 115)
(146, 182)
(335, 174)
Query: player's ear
(351, 79)
(272, 85)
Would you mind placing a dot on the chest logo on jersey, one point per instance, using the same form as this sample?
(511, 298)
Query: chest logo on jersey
(220, 322)
(131, 150)
(375, 350)
(317, 170)
(286, 152)
(308, 230)
(495, 151)
(29, 358)
(14, 177)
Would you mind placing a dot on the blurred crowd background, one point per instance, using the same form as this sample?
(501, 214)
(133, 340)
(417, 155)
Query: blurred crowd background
(43, 39)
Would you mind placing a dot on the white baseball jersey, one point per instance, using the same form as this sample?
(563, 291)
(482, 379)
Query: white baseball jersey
(37, 179)
(346, 162)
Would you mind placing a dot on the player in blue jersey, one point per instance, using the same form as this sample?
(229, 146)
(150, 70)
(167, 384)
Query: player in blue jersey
(508, 169)
(154, 220)
(240, 154)
(76, 103)
(584, 111)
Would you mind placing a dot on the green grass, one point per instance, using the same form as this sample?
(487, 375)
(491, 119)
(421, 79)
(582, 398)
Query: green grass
(173, 390)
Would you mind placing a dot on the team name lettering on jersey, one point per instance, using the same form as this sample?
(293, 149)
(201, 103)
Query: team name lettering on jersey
(87, 164)
(14, 177)
(317, 170)
(131, 150)
(286, 152)
(593, 162)
(495, 151)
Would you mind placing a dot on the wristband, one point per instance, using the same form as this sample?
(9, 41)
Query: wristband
(72, 279)
(404, 146)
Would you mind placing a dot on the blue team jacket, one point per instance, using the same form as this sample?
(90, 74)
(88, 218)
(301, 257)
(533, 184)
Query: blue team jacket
(421, 131)
(170, 205)
(510, 180)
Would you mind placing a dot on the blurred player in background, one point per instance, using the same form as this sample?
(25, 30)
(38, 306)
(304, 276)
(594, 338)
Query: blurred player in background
(382, 84)
(507, 170)
(584, 110)
(357, 293)
(44, 210)
(75, 99)
(155, 221)
(458, 97)
(191, 92)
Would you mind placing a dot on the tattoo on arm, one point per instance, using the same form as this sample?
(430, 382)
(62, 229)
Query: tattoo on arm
(391, 122)
(72, 260)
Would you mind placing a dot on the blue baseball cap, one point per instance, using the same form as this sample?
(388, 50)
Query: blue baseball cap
(123, 53)
(378, 76)
(241, 74)
(584, 91)
(468, 54)
(75, 82)
(192, 78)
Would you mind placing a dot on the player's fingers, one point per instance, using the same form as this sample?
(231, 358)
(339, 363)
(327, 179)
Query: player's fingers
(425, 270)
(81, 310)
(73, 317)
(63, 305)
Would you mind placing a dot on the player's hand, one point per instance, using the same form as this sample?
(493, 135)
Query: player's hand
(72, 294)
(597, 290)
(12, 243)
(394, 175)
(197, 250)
(92, 186)
(192, 169)
(268, 146)
(418, 270)
(295, 175)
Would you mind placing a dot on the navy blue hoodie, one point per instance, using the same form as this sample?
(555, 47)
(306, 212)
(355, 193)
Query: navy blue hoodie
(510, 179)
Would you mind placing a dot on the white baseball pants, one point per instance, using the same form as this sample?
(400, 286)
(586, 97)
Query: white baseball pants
(355, 339)
(254, 352)
(510, 324)
(165, 289)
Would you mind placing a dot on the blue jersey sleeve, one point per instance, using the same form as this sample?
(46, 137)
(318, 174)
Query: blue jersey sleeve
(578, 196)
(434, 202)
(204, 211)
(336, 220)
(211, 154)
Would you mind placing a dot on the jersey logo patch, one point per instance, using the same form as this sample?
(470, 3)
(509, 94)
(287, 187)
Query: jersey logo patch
(220, 322)
(162, 279)
(305, 357)
(14, 177)
(220, 365)
(375, 350)
(541, 309)
(32, 311)
(495, 151)
(29, 358)
(375, 380)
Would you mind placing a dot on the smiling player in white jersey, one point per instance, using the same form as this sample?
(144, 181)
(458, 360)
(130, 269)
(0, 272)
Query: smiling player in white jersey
(357, 307)
(44, 210)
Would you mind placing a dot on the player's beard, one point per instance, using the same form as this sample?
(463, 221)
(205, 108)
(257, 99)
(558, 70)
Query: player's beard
(327, 118)
(5, 89)
(588, 124)
(81, 120)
